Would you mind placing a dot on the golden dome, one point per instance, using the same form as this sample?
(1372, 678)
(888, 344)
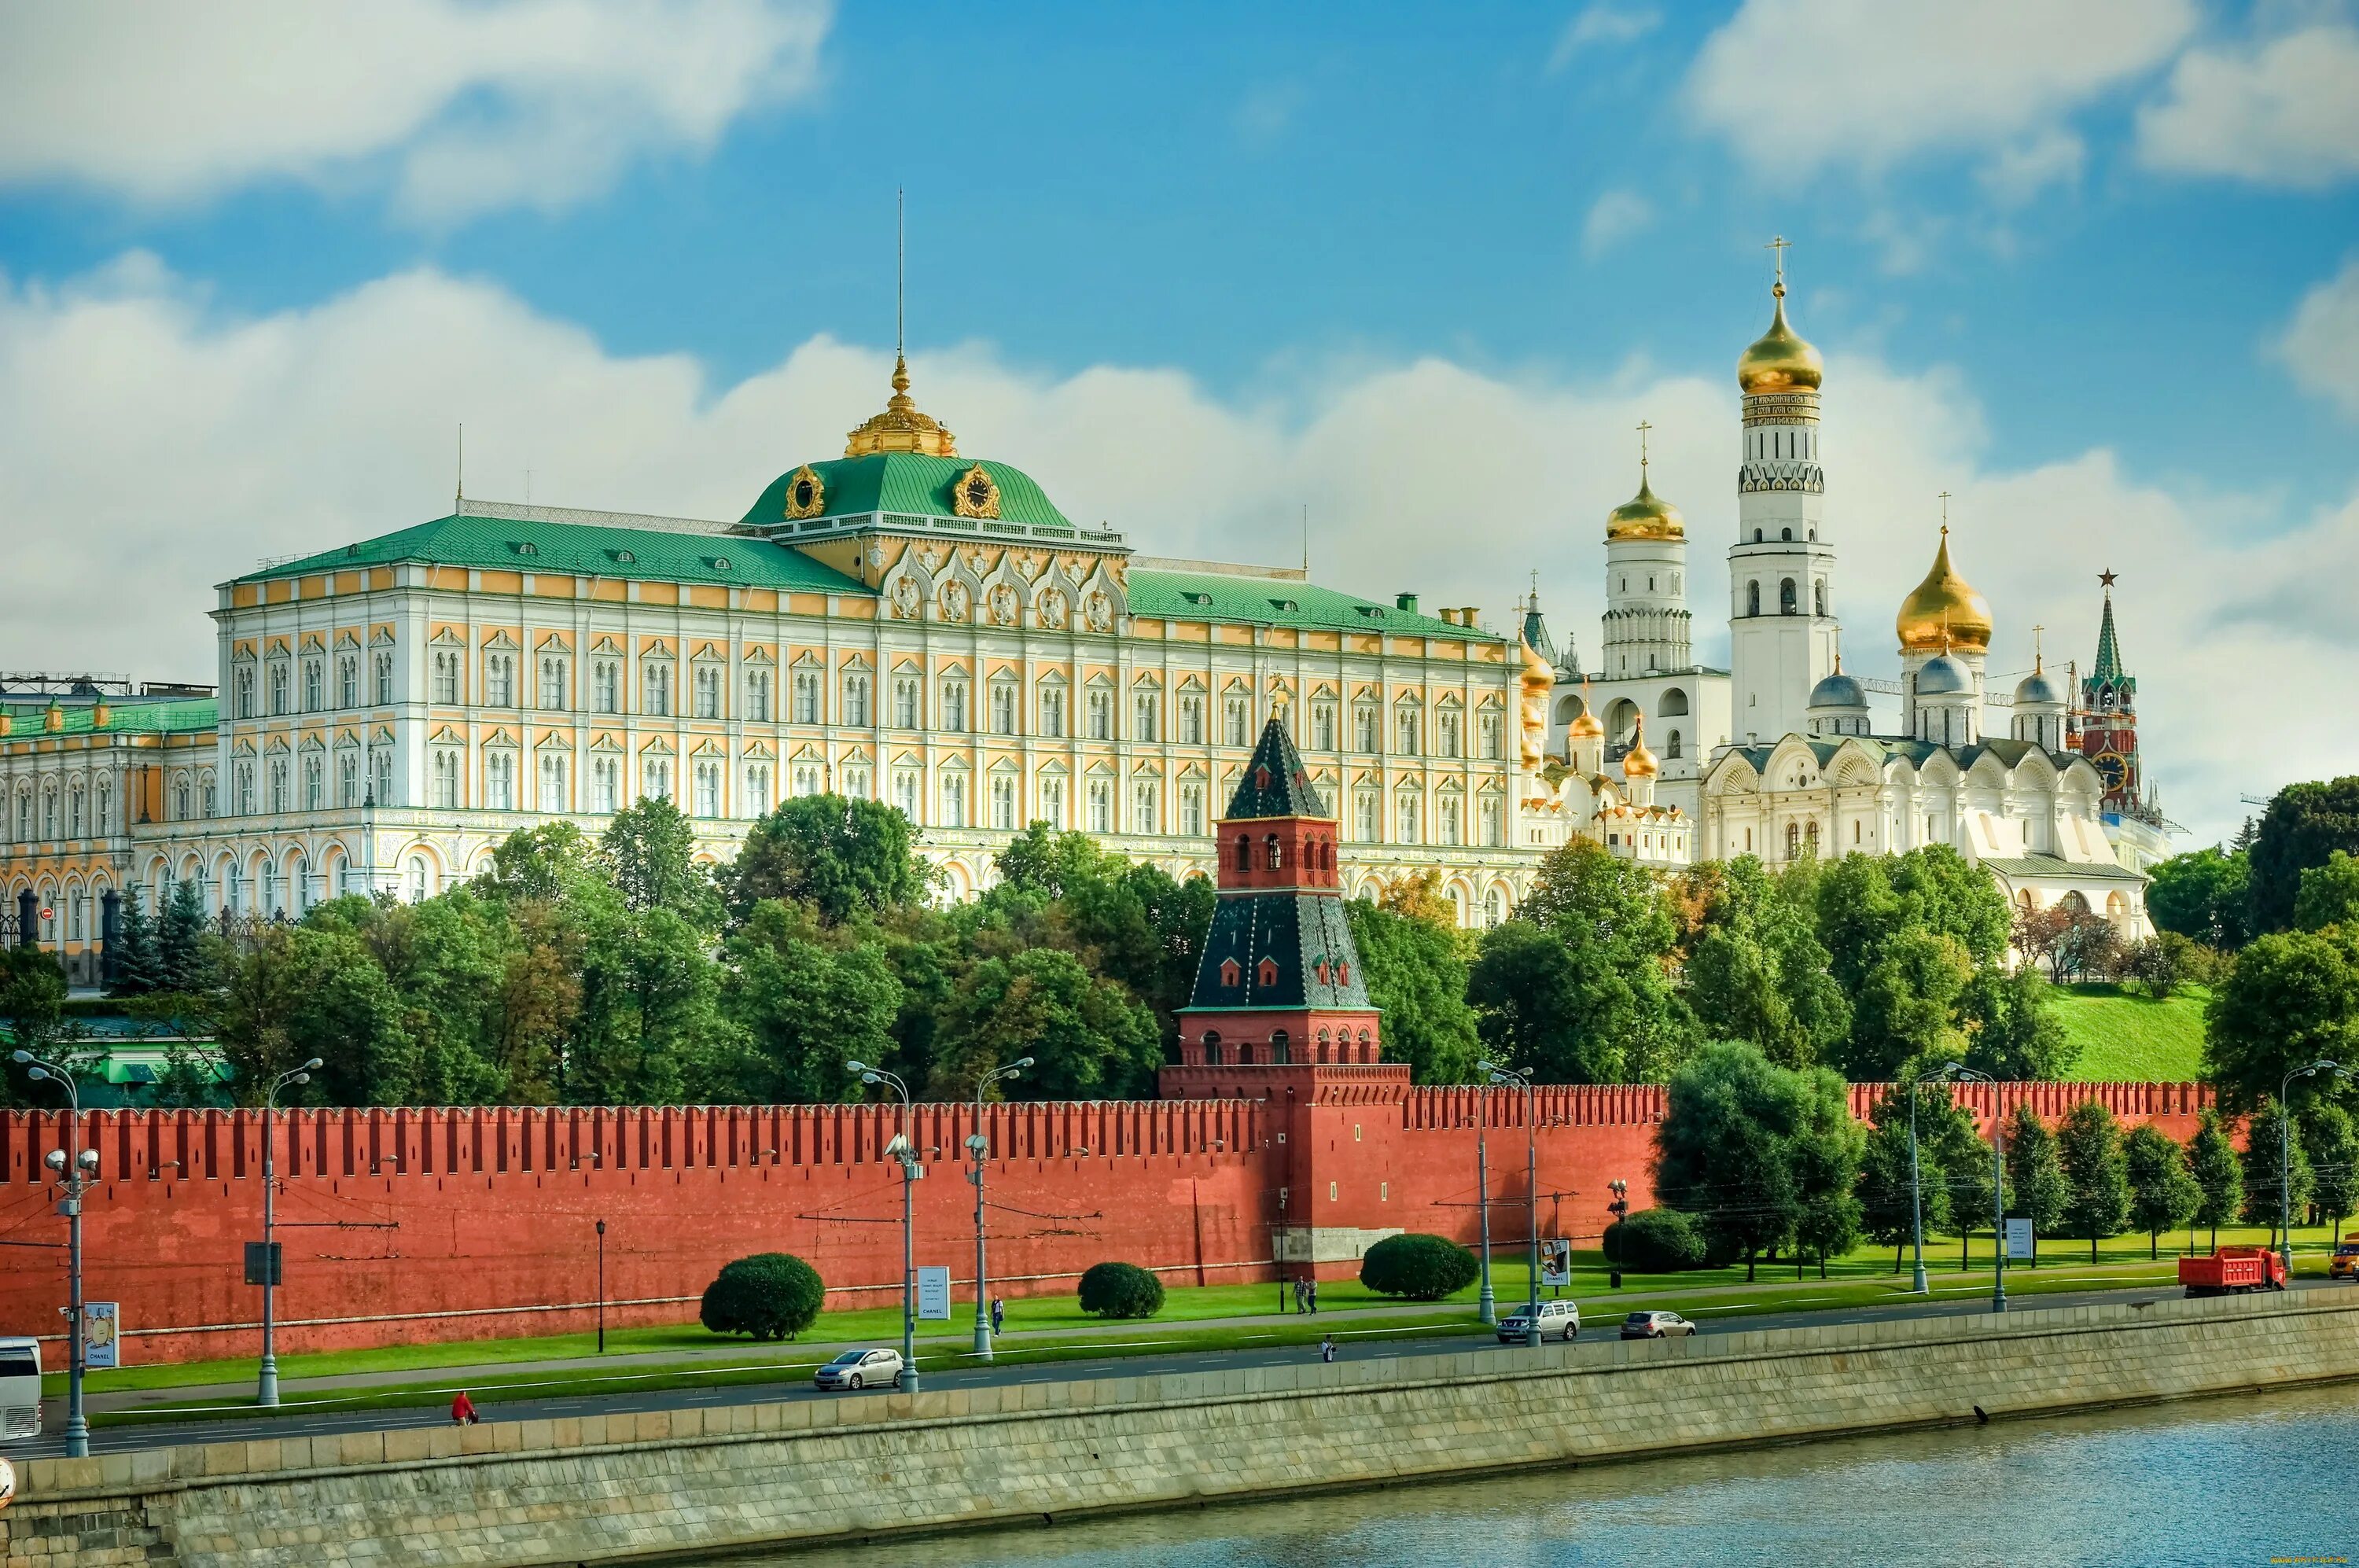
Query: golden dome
(1780, 361)
(1584, 725)
(1645, 516)
(901, 427)
(1638, 762)
(1943, 611)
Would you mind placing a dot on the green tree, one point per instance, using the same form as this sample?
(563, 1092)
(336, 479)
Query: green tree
(648, 1030)
(1758, 971)
(840, 857)
(1908, 936)
(771, 1295)
(2164, 1194)
(305, 991)
(2274, 1168)
(1088, 1037)
(804, 1007)
(2035, 1175)
(650, 852)
(1417, 976)
(1418, 1267)
(2291, 998)
(445, 958)
(138, 949)
(1962, 1156)
(2203, 896)
(541, 865)
(2219, 1173)
(1905, 1010)
(2331, 1143)
(2302, 828)
(1888, 1216)
(2012, 1031)
(186, 948)
(1758, 1154)
(2089, 1147)
(1120, 1291)
(2329, 894)
(32, 1005)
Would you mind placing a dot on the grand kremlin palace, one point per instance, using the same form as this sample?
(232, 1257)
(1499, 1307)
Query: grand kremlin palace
(901, 624)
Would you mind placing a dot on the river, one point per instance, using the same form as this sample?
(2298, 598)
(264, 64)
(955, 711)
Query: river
(2271, 1479)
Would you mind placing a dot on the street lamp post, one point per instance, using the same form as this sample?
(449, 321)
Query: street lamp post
(902, 1150)
(1916, 1196)
(1620, 1209)
(1486, 1305)
(1958, 1072)
(2284, 1157)
(77, 1173)
(265, 1392)
(979, 1145)
(602, 1287)
(1531, 1195)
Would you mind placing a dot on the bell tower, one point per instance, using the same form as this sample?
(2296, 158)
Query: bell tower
(1280, 1005)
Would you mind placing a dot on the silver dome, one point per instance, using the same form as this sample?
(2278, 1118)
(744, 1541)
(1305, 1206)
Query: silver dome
(2036, 691)
(1943, 676)
(1838, 691)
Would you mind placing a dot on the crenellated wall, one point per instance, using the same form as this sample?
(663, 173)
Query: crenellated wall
(402, 1225)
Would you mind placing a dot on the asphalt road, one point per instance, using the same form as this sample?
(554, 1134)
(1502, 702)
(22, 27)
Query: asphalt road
(1358, 1339)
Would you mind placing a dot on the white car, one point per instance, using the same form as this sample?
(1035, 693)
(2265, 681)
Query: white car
(861, 1369)
(1656, 1325)
(1559, 1320)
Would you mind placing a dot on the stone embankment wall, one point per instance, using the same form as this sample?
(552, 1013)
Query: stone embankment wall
(685, 1486)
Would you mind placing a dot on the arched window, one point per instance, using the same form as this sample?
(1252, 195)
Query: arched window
(1280, 1048)
(1245, 853)
(1753, 598)
(1811, 839)
(1672, 744)
(1788, 603)
(1787, 535)
(1793, 841)
(1277, 853)
(1212, 1047)
(1820, 597)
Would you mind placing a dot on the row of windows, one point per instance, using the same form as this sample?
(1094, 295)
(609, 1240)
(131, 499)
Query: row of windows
(280, 676)
(50, 813)
(1788, 597)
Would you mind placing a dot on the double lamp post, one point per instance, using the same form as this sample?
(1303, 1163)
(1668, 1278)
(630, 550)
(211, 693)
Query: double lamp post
(77, 1173)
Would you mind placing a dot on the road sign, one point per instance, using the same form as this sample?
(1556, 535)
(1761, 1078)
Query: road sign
(264, 1262)
(101, 1335)
(1555, 1262)
(2018, 1240)
(934, 1293)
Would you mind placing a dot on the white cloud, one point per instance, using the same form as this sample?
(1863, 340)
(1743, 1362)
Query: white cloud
(151, 447)
(1800, 85)
(2051, 156)
(2284, 112)
(1602, 23)
(2320, 345)
(459, 108)
(1615, 217)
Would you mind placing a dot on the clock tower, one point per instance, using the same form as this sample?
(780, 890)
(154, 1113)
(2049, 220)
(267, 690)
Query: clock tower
(2108, 727)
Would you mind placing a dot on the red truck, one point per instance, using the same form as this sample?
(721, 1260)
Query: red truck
(2232, 1270)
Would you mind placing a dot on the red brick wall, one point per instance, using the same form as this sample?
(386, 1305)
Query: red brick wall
(417, 1225)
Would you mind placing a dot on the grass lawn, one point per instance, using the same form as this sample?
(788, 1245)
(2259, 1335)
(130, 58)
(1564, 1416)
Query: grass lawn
(2119, 1036)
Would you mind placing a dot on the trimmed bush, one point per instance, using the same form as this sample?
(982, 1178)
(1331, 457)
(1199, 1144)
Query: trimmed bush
(1121, 1290)
(1653, 1241)
(771, 1295)
(1421, 1268)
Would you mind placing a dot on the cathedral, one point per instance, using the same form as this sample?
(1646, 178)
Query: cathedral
(1780, 756)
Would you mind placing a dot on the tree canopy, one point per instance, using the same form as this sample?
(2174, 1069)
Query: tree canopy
(2302, 828)
(1760, 1156)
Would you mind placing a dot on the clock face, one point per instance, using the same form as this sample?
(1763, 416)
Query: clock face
(978, 491)
(804, 492)
(2112, 768)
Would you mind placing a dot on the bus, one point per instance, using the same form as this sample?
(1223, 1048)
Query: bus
(20, 1389)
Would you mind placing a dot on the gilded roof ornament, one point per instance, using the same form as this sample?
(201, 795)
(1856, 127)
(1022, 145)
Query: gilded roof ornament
(901, 427)
(1780, 360)
(1944, 610)
(1645, 516)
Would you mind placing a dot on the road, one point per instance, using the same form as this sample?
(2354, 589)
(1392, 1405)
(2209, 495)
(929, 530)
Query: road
(1358, 1339)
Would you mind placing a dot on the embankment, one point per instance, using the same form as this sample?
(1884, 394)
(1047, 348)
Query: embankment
(688, 1486)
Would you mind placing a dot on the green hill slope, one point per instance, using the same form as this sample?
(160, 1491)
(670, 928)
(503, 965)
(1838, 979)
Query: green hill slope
(2121, 1037)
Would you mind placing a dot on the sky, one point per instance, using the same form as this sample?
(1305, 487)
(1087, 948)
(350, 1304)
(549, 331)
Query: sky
(2094, 269)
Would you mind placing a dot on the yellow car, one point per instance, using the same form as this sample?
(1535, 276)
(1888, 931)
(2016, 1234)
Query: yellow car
(2346, 1262)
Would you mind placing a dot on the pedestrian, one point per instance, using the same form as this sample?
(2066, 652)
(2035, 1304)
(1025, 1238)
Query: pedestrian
(1298, 1295)
(462, 1410)
(1312, 1289)
(998, 1313)
(1327, 1348)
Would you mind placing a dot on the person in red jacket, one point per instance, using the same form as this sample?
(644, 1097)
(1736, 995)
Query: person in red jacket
(462, 1410)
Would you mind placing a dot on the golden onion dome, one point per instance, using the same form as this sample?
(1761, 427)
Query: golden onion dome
(1943, 611)
(1645, 516)
(1537, 676)
(1780, 360)
(1584, 725)
(1638, 762)
(901, 427)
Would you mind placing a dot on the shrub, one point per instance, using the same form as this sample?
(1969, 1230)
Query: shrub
(1121, 1290)
(1655, 1241)
(771, 1295)
(1421, 1268)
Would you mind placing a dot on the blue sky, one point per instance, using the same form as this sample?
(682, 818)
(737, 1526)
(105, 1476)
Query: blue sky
(2091, 268)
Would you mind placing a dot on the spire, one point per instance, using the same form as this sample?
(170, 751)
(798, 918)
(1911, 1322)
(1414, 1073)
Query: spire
(901, 427)
(2108, 668)
(1275, 783)
(1535, 629)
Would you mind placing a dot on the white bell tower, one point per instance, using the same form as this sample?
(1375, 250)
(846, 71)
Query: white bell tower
(1783, 634)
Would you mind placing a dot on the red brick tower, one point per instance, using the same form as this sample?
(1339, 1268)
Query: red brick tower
(1280, 1005)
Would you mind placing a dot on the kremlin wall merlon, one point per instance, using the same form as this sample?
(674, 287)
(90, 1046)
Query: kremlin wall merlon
(411, 1225)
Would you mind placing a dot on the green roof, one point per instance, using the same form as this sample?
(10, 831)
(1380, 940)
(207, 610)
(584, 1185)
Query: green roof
(907, 482)
(1275, 783)
(181, 717)
(2057, 866)
(1279, 602)
(582, 549)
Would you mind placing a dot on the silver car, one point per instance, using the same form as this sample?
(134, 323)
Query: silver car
(1656, 1325)
(861, 1369)
(1559, 1320)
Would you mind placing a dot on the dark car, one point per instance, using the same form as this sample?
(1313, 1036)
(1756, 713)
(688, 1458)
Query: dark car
(1656, 1325)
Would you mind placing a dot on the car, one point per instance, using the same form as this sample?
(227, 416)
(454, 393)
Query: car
(1656, 1325)
(20, 1387)
(861, 1369)
(2344, 1265)
(1559, 1320)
